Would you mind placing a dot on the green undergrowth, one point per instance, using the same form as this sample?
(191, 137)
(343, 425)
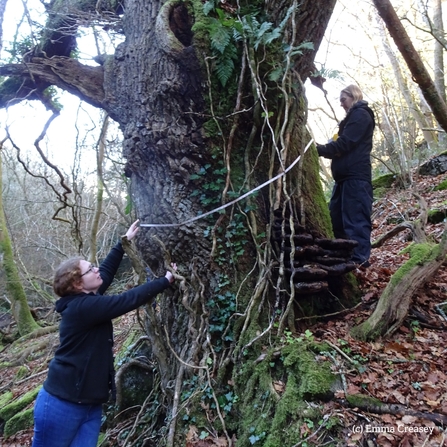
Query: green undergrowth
(271, 400)
(16, 414)
(441, 186)
(275, 393)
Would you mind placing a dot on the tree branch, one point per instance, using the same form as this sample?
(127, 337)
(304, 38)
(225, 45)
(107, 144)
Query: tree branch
(84, 81)
(413, 60)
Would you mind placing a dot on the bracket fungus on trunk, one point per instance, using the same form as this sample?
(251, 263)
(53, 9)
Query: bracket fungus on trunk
(309, 259)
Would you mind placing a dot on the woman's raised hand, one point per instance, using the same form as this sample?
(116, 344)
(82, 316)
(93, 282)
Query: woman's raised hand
(133, 230)
(169, 274)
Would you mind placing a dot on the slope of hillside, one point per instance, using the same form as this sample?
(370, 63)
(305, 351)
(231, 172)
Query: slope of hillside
(406, 373)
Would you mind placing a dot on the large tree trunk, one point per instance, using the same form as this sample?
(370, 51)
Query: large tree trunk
(193, 145)
(197, 134)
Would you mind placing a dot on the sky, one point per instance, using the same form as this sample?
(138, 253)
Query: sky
(347, 51)
(26, 121)
(345, 39)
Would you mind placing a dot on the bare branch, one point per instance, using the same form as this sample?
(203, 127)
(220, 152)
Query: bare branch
(62, 197)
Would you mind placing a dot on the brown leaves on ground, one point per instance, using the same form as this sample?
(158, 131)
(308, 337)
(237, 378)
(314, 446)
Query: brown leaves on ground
(194, 438)
(410, 368)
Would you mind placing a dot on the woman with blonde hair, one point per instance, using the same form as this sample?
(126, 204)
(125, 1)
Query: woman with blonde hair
(352, 197)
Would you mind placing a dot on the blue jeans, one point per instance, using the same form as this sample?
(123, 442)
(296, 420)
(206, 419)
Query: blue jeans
(59, 423)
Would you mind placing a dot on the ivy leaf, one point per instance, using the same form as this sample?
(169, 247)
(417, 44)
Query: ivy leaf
(253, 439)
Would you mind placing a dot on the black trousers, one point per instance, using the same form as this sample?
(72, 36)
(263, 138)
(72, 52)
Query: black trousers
(350, 208)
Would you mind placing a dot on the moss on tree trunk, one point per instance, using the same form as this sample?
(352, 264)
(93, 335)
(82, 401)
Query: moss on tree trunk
(16, 294)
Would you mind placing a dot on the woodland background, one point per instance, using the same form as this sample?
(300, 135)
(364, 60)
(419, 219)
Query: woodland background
(85, 154)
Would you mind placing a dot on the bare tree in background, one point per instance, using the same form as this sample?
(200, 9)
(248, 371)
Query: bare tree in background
(15, 292)
(413, 60)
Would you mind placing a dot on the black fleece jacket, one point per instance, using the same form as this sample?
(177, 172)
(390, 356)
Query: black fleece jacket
(82, 368)
(350, 153)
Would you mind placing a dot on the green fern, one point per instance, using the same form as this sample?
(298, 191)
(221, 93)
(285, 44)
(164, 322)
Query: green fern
(226, 31)
(328, 73)
(225, 65)
(208, 7)
(220, 36)
(223, 45)
(263, 33)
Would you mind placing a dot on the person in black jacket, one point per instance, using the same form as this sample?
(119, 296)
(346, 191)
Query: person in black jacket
(352, 197)
(68, 408)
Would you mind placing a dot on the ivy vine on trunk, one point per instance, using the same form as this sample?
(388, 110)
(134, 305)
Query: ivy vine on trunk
(211, 102)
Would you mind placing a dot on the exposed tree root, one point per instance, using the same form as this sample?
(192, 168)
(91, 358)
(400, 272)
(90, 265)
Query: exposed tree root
(23, 355)
(370, 405)
(36, 334)
(119, 374)
(393, 232)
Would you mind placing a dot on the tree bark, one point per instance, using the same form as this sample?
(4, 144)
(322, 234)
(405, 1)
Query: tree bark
(413, 60)
(438, 66)
(193, 144)
(430, 137)
(28, 81)
(439, 49)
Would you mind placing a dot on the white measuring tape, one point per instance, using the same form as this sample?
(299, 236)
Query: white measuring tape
(201, 216)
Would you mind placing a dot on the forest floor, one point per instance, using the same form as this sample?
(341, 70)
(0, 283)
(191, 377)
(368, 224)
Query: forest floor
(408, 371)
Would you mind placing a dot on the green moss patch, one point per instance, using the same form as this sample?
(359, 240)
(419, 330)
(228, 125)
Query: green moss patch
(360, 401)
(384, 181)
(378, 193)
(437, 216)
(22, 372)
(20, 421)
(11, 409)
(275, 391)
(5, 398)
(441, 186)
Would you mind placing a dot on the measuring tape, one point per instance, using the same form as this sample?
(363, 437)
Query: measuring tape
(201, 216)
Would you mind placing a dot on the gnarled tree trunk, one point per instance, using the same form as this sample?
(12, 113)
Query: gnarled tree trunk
(211, 103)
